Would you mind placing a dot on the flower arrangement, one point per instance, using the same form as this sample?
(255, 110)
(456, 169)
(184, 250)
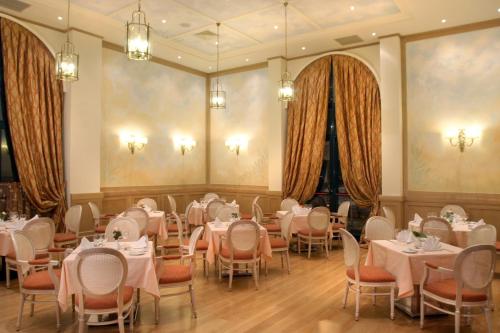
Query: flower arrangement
(117, 234)
(449, 216)
(3, 216)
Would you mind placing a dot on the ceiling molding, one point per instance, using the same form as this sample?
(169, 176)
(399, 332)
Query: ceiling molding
(332, 50)
(241, 69)
(33, 22)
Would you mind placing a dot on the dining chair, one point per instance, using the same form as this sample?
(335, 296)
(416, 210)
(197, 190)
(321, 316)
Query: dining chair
(248, 216)
(99, 227)
(171, 226)
(468, 287)
(439, 227)
(210, 196)
(379, 228)
(181, 275)
(104, 293)
(288, 203)
(240, 248)
(318, 221)
(224, 213)
(212, 208)
(126, 225)
(272, 228)
(282, 244)
(483, 234)
(186, 218)
(455, 209)
(389, 214)
(359, 277)
(148, 202)
(339, 220)
(37, 277)
(72, 220)
(140, 216)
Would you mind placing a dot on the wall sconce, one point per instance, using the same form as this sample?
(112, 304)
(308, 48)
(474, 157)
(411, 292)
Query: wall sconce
(134, 142)
(235, 144)
(184, 144)
(462, 137)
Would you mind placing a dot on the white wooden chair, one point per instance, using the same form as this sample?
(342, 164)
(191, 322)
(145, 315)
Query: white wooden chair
(37, 277)
(96, 215)
(224, 213)
(470, 286)
(239, 248)
(389, 213)
(210, 196)
(483, 234)
(455, 209)
(379, 228)
(316, 233)
(272, 228)
(439, 227)
(360, 277)
(126, 225)
(140, 216)
(282, 244)
(101, 273)
(288, 203)
(177, 276)
(148, 202)
(339, 220)
(212, 208)
(72, 221)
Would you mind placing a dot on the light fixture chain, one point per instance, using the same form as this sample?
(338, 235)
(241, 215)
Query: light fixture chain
(67, 22)
(218, 34)
(286, 36)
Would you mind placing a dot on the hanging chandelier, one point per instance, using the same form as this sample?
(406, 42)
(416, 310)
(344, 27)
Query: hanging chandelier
(286, 91)
(217, 95)
(138, 45)
(67, 59)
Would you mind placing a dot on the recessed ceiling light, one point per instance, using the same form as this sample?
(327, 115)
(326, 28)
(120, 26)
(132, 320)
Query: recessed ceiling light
(247, 59)
(303, 47)
(352, 8)
(275, 27)
(374, 34)
(163, 21)
(60, 18)
(443, 21)
(179, 57)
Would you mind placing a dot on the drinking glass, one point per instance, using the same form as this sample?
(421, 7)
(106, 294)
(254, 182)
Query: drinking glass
(13, 216)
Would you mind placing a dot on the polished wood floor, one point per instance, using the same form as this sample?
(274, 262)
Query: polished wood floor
(307, 300)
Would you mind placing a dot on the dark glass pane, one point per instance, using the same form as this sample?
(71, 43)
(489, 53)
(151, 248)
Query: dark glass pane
(6, 172)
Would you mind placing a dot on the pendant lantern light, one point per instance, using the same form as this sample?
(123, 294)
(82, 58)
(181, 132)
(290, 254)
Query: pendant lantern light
(67, 58)
(286, 91)
(138, 44)
(217, 95)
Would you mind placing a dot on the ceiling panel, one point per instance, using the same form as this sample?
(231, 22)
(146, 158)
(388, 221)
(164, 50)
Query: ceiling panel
(328, 13)
(261, 25)
(104, 6)
(224, 9)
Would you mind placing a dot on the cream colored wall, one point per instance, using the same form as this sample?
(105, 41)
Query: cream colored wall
(453, 82)
(158, 102)
(246, 114)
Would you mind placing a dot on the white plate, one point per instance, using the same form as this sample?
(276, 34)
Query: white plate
(412, 251)
(433, 250)
(136, 253)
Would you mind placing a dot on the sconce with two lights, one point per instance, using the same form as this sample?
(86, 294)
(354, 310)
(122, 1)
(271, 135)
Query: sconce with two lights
(134, 142)
(236, 144)
(463, 137)
(184, 144)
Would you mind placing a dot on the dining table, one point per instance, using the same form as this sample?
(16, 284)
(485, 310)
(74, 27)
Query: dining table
(406, 263)
(198, 212)
(461, 231)
(6, 245)
(157, 223)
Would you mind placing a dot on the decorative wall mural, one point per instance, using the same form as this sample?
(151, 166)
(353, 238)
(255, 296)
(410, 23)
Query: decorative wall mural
(453, 82)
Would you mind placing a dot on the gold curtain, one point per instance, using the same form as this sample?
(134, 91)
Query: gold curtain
(357, 110)
(34, 108)
(307, 116)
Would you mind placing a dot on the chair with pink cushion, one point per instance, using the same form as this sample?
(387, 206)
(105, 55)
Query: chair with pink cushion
(281, 244)
(72, 221)
(360, 277)
(213, 207)
(267, 222)
(37, 277)
(316, 233)
(379, 228)
(104, 293)
(99, 227)
(467, 286)
(439, 227)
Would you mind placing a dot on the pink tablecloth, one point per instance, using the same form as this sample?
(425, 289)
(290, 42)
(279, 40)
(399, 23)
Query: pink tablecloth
(141, 274)
(212, 236)
(461, 231)
(408, 268)
(299, 221)
(157, 223)
(6, 245)
(198, 214)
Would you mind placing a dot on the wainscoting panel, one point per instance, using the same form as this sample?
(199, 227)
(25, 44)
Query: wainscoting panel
(87, 223)
(396, 203)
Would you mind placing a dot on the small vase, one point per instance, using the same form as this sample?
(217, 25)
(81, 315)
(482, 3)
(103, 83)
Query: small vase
(117, 244)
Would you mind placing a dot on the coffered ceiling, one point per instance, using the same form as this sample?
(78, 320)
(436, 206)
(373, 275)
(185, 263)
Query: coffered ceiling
(253, 30)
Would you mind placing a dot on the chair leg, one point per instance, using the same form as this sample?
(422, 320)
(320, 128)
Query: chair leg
(131, 317)
(309, 244)
(220, 271)
(256, 275)
(121, 324)
(157, 310)
(265, 266)
(231, 271)
(374, 298)
(7, 274)
(193, 306)
(81, 323)
(487, 314)
(457, 320)
(20, 313)
(288, 261)
(356, 314)
(392, 303)
(326, 247)
(422, 310)
(282, 263)
(346, 294)
(298, 244)
(32, 306)
(58, 315)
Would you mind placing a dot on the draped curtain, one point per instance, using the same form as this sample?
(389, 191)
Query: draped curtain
(34, 109)
(307, 117)
(358, 120)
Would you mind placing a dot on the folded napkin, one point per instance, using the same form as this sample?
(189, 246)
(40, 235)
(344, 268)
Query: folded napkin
(232, 203)
(478, 223)
(85, 244)
(217, 220)
(141, 243)
(405, 236)
(34, 217)
(417, 219)
(147, 208)
(431, 243)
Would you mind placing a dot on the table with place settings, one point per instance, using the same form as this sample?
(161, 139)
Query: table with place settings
(157, 223)
(6, 245)
(461, 230)
(198, 212)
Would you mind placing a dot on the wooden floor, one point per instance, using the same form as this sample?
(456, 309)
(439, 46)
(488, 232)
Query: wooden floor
(307, 300)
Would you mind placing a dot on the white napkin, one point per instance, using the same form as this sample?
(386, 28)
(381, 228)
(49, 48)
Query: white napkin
(417, 219)
(478, 223)
(233, 203)
(196, 204)
(431, 243)
(217, 220)
(85, 244)
(34, 217)
(147, 209)
(141, 243)
(405, 236)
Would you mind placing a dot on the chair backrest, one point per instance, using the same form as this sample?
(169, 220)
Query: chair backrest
(455, 209)
(351, 251)
(96, 214)
(243, 236)
(187, 211)
(258, 214)
(286, 226)
(255, 201)
(73, 218)
(439, 227)
(212, 208)
(112, 267)
(24, 251)
(210, 196)
(344, 208)
(195, 236)
(172, 203)
(288, 203)
(41, 233)
(224, 213)
(379, 228)
(474, 268)
(180, 229)
(139, 215)
(125, 225)
(151, 203)
(389, 213)
(318, 219)
(483, 234)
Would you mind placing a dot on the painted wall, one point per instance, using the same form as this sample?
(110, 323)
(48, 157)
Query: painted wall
(246, 115)
(453, 82)
(160, 103)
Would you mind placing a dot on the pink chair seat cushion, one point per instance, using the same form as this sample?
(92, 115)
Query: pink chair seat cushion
(107, 301)
(497, 245)
(246, 216)
(64, 237)
(272, 227)
(371, 274)
(40, 280)
(314, 233)
(277, 243)
(448, 289)
(175, 274)
(238, 255)
(201, 244)
(100, 229)
(337, 226)
(172, 228)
